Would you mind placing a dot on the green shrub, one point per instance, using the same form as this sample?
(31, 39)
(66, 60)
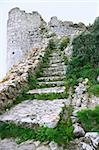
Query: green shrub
(64, 43)
(61, 134)
(51, 44)
(94, 89)
(89, 119)
(65, 60)
(85, 57)
(32, 82)
(8, 130)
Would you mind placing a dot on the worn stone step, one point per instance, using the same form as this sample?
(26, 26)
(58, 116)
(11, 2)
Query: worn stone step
(55, 83)
(55, 58)
(61, 64)
(57, 53)
(54, 73)
(56, 61)
(52, 69)
(51, 78)
(36, 112)
(47, 90)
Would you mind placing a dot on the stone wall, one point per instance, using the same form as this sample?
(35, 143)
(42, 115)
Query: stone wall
(66, 28)
(23, 34)
(17, 77)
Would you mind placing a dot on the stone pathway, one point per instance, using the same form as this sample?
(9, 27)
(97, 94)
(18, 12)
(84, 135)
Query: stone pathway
(34, 112)
(42, 112)
(10, 144)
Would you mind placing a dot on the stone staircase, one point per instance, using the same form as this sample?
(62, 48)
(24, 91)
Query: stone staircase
(42, 112)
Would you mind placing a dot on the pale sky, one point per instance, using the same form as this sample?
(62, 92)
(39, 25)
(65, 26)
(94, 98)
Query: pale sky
(77, 11)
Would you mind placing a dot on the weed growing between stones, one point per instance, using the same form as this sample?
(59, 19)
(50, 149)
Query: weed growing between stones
(89, 119)
(62, 134)
(10, 130)
(64, 42)
(52, 96)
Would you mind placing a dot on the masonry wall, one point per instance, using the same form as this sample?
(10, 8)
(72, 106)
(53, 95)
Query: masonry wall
(23, 34)
(17, 77)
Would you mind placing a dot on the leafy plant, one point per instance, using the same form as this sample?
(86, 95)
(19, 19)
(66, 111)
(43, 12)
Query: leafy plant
(8, 130)
(64, 42)
(89, 119)
(85, 57)
(94, 89)
(51, 44)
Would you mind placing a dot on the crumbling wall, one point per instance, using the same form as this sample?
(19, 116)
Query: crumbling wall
(66, 28)
(17, 77)
(23, 34)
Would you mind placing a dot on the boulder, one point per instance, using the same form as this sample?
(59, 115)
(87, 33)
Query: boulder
(78, 130)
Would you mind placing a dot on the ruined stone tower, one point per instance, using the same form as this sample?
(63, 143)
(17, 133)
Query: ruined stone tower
(23, 33)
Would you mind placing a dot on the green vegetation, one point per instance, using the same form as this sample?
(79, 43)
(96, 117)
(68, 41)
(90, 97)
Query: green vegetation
(89, 119)
(23, 96)
(8, 130)
(64, 42)
(50, 96)
(52, 44)
(94, 89)
(65, 60)
(85, 58)
(62, 134)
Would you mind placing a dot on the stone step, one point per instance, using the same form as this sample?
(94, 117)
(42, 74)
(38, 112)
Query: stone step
(51, 78)
(56, 61)
(52, 69)
(47, 90)
(61, 64)
(55, 83)
(36, 112)
(57, 53)
(54, 73)
(55, 58)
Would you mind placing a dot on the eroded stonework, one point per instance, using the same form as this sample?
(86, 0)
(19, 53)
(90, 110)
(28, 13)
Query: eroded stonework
(23, 34)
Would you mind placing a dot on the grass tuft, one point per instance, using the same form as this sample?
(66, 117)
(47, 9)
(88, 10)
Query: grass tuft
(89, 119)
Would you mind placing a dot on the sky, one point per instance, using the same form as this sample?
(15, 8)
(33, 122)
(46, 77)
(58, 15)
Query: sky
(72, 10)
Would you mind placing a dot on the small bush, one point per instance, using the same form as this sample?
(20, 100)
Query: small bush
(61, 134)
(51, 44)
(89, 119)
(65, 60)
(64, 43)
(94, 89)
(32, 82)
